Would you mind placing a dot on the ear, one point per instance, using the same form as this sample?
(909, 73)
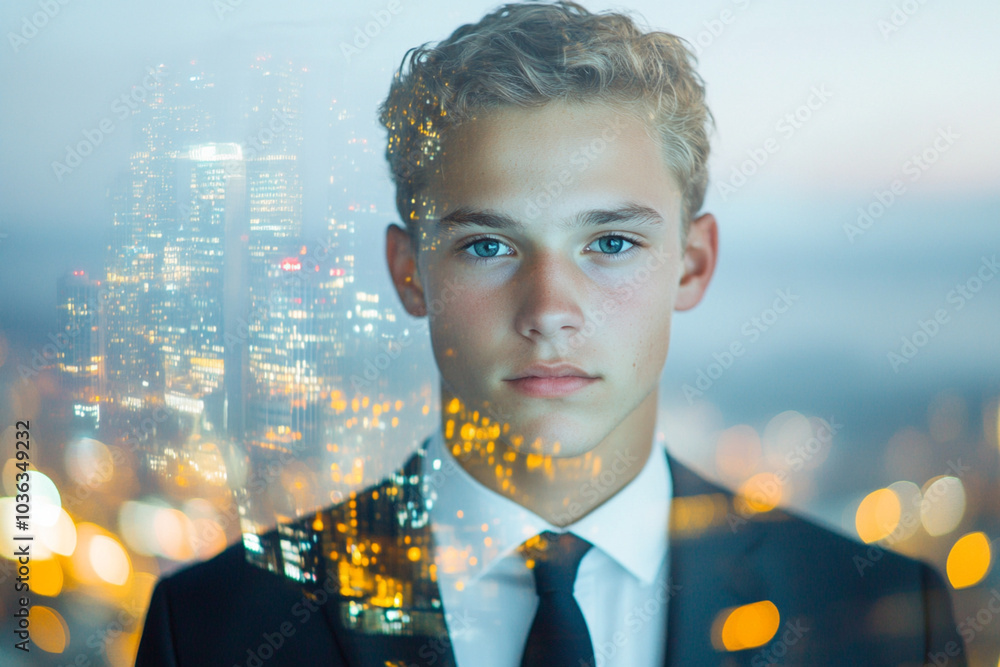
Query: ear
(701, 249)
(402, 260)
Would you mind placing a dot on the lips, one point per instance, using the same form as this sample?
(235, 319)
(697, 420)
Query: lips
(560, 370)
(550, 380)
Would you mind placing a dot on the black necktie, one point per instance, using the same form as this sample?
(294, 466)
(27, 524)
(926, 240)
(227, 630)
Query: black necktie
(559, 635)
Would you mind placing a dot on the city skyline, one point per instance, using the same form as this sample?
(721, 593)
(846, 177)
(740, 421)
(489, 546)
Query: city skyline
(852, 173)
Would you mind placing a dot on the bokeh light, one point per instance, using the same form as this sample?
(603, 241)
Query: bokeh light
(46, 577)
(877, 515)
(785, 435)
(943, 506)
(172, 534)
(909, 497)
(60, 537)
(45, 498)
(744, 627)
(762, 492)
(99, 565)
(109, 560)
(135, 521)
(738, 453)
(123, 648)
(969, 560)
(89, 462)
(49, 630)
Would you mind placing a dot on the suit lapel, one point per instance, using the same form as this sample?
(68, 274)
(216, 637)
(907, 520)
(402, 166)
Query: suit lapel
(387, 611)
(378, 548)
(712, 567)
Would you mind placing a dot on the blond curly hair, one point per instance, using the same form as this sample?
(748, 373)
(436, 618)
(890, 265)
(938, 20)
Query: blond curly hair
(527, 54)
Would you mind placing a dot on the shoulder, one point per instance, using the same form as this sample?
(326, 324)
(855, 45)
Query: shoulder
(224, 610)
(225, 580)
(227, 609)
(789, 537)
(822, 582)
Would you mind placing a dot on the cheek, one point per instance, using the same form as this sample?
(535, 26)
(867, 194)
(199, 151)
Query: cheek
(641, 321)
(467, 322)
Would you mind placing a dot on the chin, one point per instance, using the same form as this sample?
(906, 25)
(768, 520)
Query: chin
(574, 440)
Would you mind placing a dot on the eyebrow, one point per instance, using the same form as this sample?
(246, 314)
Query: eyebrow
(463, 217)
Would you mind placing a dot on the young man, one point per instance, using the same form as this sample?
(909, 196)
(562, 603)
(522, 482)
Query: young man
(550, 165)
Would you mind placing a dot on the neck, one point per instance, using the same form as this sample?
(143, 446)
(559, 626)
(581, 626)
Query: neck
(560, 489)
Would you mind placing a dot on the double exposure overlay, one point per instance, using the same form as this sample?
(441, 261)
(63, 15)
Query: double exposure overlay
(323, 325)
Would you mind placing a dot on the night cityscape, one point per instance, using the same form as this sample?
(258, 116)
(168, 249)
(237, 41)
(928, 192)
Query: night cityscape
(198, 325)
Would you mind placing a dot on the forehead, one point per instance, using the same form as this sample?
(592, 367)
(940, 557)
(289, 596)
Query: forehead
(551, 163)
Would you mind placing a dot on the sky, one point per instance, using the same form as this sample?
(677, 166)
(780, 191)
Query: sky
(834, 101)
(890, 92)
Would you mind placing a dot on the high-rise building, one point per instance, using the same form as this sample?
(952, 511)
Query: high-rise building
(131, 299)
(78, 358)
(144, 214)
(273, 107)
(288, 334)
(204, 250)
(272, 112)
(274, 207)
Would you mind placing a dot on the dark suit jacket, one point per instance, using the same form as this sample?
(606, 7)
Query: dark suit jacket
(840, 602)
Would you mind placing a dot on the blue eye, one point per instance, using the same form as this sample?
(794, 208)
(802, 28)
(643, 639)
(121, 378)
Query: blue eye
(612, 244)
(484, 248)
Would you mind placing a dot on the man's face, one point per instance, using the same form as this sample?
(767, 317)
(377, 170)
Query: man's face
(555, 240)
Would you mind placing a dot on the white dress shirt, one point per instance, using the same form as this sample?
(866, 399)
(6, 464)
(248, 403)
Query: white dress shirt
(488, 592)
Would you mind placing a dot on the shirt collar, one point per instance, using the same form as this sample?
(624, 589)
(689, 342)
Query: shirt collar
(474, 527)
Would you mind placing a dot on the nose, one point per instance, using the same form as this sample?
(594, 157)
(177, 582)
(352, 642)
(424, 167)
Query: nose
(549, 291)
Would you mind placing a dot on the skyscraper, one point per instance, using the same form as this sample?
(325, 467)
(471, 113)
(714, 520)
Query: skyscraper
(78, 358)
(272, 112)
(287, 339)
(203, 250)
(144, 207)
